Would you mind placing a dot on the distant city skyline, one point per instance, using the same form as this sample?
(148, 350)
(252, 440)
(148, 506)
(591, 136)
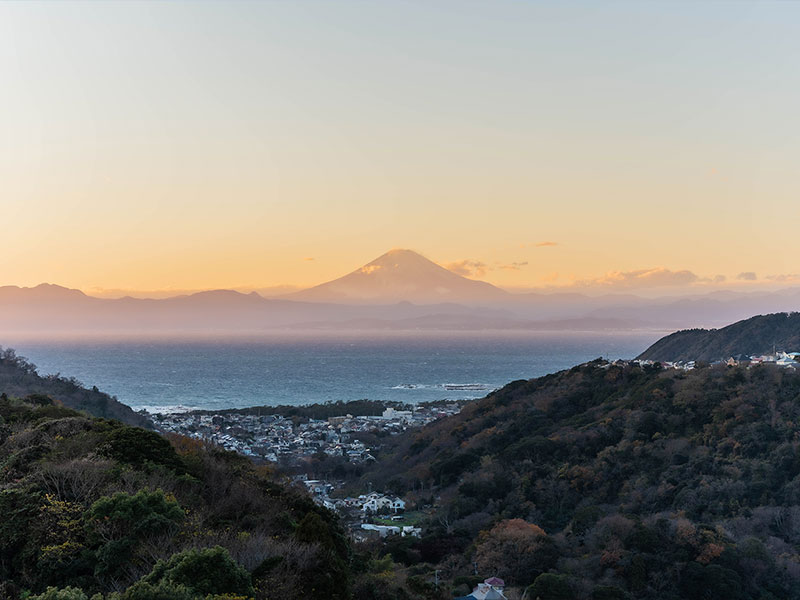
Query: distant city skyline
(580, 146)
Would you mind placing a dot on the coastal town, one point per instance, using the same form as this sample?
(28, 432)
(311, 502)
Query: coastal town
(291, 441)
(288, 440)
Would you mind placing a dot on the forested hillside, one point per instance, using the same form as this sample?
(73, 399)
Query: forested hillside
(603, 482)
(614, 481)
(18, 377)
(754, 336)
(91, 506)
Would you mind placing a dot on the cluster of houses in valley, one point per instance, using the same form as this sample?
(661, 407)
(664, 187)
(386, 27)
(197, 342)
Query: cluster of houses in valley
(278, 438)
(358, 511)
(290, 440)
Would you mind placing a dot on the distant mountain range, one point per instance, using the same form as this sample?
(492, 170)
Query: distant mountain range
(751, 337)
(400, 290)
(50, 308)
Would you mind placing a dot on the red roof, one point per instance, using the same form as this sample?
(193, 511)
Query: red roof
(495, 581)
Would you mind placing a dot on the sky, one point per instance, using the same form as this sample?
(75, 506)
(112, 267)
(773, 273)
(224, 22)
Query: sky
(592, 145)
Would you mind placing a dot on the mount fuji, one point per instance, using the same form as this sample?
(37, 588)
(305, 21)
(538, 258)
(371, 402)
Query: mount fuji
(402, 275)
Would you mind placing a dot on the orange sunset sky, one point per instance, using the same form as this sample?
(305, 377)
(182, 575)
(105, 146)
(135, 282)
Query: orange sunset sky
(182, 146)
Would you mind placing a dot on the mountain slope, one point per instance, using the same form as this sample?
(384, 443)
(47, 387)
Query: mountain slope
(619, 481)
(402, 275)
(101, 507)
(19, 378)
(755, 336)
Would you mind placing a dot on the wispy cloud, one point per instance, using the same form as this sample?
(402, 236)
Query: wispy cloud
(309, 258)
(475, 268)
(747, 276)
(468, 268)
(641, 278)
(546, 244)
(784, 278)
(514, 266)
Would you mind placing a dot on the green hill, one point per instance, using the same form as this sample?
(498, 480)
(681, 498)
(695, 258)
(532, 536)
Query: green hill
(92, 506)
(614, 481)
(754, 336)
(18, 377)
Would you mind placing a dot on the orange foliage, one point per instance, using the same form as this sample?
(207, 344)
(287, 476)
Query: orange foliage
(709, 553)
(184, 445)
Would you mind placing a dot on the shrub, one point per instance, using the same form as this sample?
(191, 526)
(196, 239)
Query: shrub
(207, 571)
(116, 524)
(548, 586)
(136, 446)
(68, 593)
(161, 591)
(608, 592)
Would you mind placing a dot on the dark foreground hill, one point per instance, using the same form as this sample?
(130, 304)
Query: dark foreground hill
(612, 482)
(19, 378)
(91, 506)
(754, 336)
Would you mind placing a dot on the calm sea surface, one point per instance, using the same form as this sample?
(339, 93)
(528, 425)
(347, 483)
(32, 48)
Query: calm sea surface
(169, 374)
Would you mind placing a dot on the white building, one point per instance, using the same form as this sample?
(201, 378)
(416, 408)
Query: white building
(391, 413)
(375, 502)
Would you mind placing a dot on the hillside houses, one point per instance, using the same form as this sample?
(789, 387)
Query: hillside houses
(375, 503)
(358, 510)
(788, 360)
(384, 530)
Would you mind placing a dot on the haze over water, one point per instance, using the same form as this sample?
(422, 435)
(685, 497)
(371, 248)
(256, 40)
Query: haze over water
(168, 374)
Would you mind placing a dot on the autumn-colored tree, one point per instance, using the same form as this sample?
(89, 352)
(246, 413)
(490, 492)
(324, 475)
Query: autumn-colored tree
(515, 550)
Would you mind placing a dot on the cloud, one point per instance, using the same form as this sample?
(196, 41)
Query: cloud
(476, 268)
(714, 279)
(538, 245)
(309, 258)
(785, 278)
(467, 268)
(747, 276)
(642, 278)
(514, 266)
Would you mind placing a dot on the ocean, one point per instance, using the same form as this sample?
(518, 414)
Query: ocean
(168, 375)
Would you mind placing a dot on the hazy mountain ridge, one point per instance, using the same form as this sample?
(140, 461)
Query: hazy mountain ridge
(24, 310)
(751, 337)
(400, 290)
